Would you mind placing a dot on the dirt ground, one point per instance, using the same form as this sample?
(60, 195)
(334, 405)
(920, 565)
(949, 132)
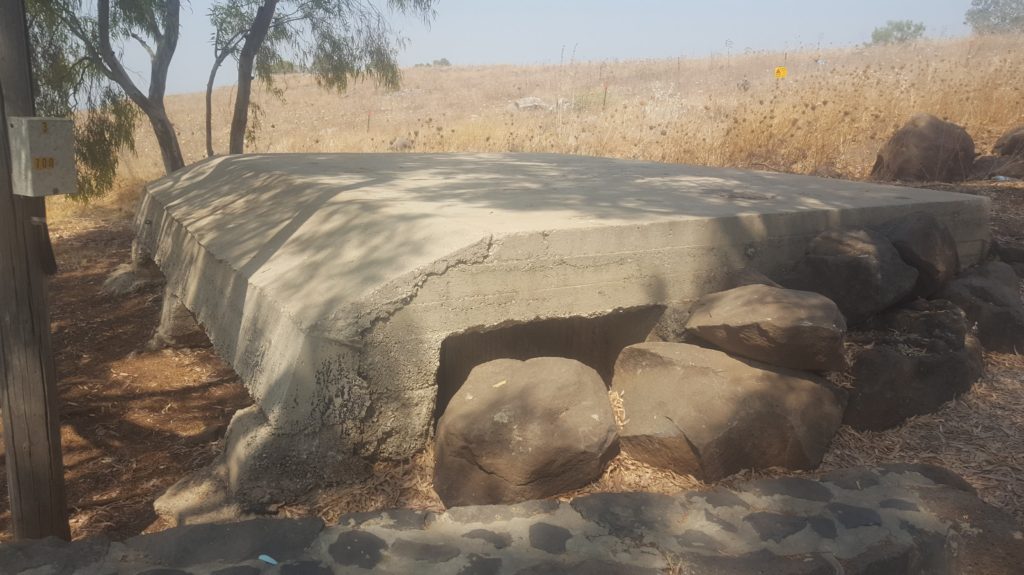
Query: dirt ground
(135, 421)
(132, 421)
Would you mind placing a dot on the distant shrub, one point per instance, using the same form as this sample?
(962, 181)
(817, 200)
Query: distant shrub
(898, 32)
(996, 16)
(438, 62)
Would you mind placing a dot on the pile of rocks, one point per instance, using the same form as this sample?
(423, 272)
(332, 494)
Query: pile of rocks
(927, 149)
(869, 328)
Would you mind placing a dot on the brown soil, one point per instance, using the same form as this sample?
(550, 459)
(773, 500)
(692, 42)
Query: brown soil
(134, 421)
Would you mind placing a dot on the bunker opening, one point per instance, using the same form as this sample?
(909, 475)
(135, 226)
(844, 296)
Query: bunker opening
(594, 341)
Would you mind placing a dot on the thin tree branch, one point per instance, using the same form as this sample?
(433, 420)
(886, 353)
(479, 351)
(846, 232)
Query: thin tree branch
(75, 25)
(145, 46)
(117, 73)
(166, 44)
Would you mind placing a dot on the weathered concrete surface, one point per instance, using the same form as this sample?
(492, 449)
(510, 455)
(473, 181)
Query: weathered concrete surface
(891, 520)
(330, 281)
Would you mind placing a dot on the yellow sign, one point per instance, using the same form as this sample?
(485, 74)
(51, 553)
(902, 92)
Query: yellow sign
(781, 72)
(43, 163)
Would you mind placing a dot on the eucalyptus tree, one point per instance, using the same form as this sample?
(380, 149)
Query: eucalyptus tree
(898, 32)
(78, 47)
(335, 40)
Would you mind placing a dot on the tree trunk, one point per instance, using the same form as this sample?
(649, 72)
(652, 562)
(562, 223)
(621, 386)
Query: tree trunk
(170, 151)
(253, 41)
(153, 104)
(209, 99)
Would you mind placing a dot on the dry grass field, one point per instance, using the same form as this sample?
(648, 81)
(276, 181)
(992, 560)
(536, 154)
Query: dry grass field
(828, 117)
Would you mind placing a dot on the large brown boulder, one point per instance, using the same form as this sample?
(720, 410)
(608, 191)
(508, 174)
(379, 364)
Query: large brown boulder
(916, 359)
(926, 149)
(519, 430)
(989, 296)
(1011, 143)
(788, 328)
(1010, 251)
(700, 411)
(892, 383)
(926, 244)
(859, 270)
(938, 325)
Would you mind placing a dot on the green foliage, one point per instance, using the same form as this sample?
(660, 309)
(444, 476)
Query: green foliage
(335, 40)
(442, 62)
(897, 32)
(100, 134)
(67, 83)
(285, 66)
(996, 16)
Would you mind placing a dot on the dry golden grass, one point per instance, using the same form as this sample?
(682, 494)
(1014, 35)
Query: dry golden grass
(116, 208)
(828, 117)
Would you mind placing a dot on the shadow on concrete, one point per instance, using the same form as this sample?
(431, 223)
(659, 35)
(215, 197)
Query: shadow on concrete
(334, 227)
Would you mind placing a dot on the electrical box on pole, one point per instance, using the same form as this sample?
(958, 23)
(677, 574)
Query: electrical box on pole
(42, 156)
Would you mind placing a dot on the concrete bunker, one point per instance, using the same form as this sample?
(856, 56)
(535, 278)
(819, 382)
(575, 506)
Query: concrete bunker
(333, 283)
(594, 341)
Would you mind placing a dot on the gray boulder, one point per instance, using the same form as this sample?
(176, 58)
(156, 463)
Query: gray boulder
(892, 384)
(788, 328)
(1012, 168)
(532, 104)
(926, 149)
(926, 244)
(1011, 143)
(989, 296)
(860, 270)
(702, 412)
(519, 430)
(938, 325)
(997, 272)
(178, 328)
(915, 360)
(1010, 251)
(992, 167)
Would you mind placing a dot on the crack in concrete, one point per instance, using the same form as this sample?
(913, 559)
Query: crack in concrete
(465, 257)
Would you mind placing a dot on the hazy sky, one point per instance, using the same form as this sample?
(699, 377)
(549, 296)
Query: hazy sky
(536, 31)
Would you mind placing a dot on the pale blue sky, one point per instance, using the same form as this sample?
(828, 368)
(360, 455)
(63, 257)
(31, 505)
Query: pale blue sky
(535, 31)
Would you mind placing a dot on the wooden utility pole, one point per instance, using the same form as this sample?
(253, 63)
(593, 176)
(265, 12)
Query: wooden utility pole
(28, 382)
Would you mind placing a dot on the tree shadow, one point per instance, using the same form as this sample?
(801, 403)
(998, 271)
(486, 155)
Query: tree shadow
(132, 420)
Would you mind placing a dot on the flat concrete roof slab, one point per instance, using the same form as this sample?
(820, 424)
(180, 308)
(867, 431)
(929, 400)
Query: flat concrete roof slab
(329, 281)
(320, 231)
